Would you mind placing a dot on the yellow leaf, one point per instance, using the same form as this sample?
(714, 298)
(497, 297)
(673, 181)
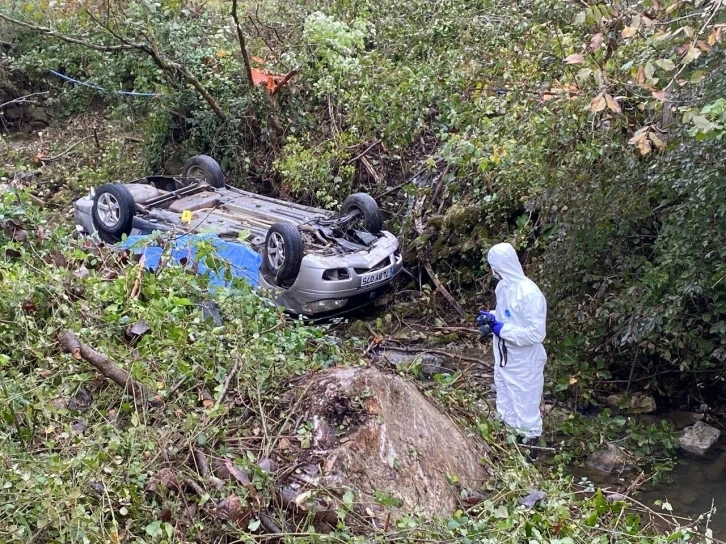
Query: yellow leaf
(660, 144)
(628, 32)
(575, 58)
(692, 54)
(660, 95)
(641, 76)
(644, 146)
(703, 46)
(639, 135)
(614, 107)
(714, 37)
(573, 380)
(597, 104)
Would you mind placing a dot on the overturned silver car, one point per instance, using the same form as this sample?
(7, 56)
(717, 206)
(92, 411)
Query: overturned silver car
(315, 262)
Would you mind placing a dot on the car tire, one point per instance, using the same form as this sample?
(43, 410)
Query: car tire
(283, 251)
(372, 219)
(113, 212)
(205, 168)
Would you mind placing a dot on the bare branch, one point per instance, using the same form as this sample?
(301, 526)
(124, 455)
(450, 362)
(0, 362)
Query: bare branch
(21, 99)
(161, 60)
(50, 32)
(242, 43)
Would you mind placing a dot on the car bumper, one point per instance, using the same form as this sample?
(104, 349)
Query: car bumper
(313, 295)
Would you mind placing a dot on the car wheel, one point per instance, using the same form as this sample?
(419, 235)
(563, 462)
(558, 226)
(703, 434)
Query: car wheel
(283, 251)
(113, 212)
(204, 168)
(370, 217)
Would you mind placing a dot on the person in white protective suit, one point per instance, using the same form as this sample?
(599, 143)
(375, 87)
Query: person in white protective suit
(519, 326)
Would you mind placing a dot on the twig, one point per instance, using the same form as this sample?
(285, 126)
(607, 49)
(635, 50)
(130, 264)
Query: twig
(136, 290)
(371, 171)
(242, 44)
(424, 258)
(271, 446)
(283, 81)
(21, 99)
(440, 286)
(268, 524)
(61, 155)
(95, 137)
(716, 8)
(227, 382)
(367, 149)
(200, 460)
(71, 344)
(392, 190)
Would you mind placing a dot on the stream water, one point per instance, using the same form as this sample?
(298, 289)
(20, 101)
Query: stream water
(696, 484)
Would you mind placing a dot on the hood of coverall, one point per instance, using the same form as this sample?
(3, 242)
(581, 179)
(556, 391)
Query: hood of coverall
(504, 261)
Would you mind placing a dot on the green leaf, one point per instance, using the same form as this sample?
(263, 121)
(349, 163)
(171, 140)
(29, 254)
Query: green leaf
(666, 64)
(702, 123)
(348, 498)
(501, 512)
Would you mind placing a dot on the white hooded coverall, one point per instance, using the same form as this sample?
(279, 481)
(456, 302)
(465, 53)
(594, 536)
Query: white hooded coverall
(522, 309)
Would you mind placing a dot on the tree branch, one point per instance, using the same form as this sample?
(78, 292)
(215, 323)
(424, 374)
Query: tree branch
(21, 99)
(242, 44)
(69, 39)
(71, 344)
(161, 60)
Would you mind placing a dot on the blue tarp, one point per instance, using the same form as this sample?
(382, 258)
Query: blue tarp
(243, 261)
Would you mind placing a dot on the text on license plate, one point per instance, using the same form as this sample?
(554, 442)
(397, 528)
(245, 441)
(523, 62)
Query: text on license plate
(375, 277)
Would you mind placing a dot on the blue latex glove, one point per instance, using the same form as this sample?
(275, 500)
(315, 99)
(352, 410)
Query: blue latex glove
(497, 327)
(483, 316)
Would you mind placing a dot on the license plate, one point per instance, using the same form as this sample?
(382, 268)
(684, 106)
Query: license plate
(376, 277)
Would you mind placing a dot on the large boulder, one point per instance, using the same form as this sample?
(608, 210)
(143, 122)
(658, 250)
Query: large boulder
(379, 436)
(700, 438)
(610, 459)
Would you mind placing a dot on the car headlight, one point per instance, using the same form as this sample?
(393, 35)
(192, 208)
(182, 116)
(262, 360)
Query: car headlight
(324, 305)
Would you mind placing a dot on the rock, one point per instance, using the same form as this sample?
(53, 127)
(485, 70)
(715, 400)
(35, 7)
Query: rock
(267, 465)
(610, 459)
(13, 113)
(533, 498)
(700, 438)
(40, 115)
(681, 420)
(430, 364)
(615, 497)
(639, 403)
(392, 441)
